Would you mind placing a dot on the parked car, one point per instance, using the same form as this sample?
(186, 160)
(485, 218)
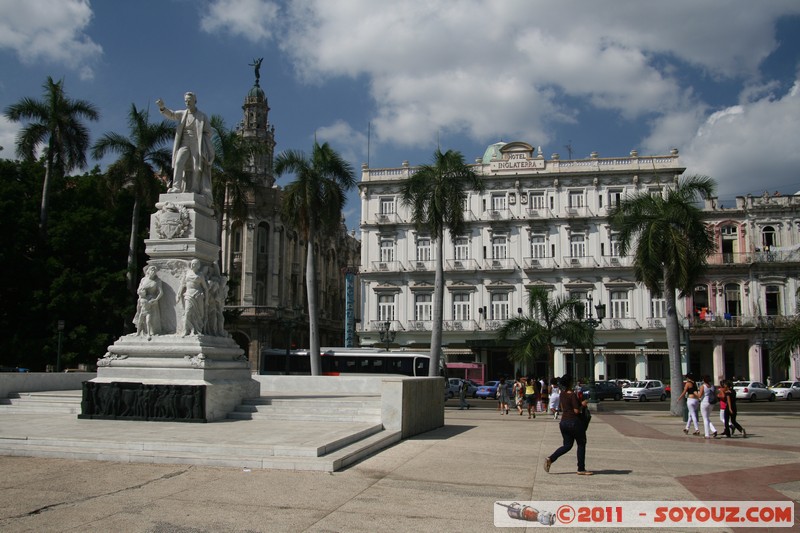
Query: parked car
(645, 390)
(604, 390)
(789, 390)
(753, 390)
(454, 387)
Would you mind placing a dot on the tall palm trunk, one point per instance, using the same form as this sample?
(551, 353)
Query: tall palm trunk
(673, 345)
(438, 309)
(48, 176)
(311, 289)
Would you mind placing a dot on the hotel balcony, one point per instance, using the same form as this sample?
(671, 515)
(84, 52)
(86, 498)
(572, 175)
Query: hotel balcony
(462, 265)
(421, 266)
(386, 266)
(497, 214)
(387, 218)
(500, 265)
(539, 263)
(459, 325)
(620, 323)
(578, 212)
(539, 213)
(617, 261)
(580, 262)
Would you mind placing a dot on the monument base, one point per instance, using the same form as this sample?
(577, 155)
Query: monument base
(138, 371)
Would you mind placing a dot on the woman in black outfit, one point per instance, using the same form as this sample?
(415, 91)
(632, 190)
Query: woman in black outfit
(731, 425)
(572, 428)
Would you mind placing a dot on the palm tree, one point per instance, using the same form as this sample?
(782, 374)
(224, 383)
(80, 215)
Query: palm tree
(313, 205)
(436, 193)
(134, 168)
(232, 183)
(671, 249)
(55, 124)
(781, 355)
(547, 321)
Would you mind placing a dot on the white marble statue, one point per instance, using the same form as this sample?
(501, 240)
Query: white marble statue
(194, 295)
(193, 151)
(148, 318)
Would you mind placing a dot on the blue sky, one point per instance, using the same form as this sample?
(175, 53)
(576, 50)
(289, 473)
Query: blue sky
(718, 79)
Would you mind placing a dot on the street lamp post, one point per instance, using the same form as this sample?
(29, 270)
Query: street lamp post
(592, 323)
(58, 352)
(387, 334)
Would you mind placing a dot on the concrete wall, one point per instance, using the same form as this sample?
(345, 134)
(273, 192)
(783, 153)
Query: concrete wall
(11, 382)
(410, 405)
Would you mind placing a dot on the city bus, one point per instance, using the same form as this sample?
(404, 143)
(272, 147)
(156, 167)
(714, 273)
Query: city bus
(345, 361)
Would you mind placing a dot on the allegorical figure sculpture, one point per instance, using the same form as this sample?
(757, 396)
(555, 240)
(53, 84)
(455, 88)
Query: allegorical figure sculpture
(194, 296)
(193, 151)
(218, 292)
(148, 318)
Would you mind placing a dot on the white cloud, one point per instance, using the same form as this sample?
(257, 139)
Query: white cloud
(351, 144)
(250, 19)
(8, 136)
(51, 31)
(749, 145)
(519, 69)
(503, 68)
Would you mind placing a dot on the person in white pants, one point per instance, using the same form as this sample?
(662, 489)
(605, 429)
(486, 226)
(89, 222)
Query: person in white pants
(692, 402)
(709, 396)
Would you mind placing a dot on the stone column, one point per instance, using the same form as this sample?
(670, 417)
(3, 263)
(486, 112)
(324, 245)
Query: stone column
(754, 362)
(718, 360)
(559, 362)
(641, 363)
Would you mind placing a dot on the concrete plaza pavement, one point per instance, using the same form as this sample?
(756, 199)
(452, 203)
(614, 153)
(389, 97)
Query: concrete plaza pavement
(444, 480)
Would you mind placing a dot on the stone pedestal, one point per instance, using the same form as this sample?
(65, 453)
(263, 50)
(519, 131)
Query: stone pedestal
(180, 349)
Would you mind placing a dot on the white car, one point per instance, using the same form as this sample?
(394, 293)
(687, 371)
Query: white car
(789, 390)
(752, 390)
(645, 390)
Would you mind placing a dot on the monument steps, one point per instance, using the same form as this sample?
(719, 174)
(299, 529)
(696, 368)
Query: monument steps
(335, 455)
(291, 432)
(337, 408)
(68, 401)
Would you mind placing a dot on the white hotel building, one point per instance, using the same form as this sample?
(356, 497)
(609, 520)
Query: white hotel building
(544, 222)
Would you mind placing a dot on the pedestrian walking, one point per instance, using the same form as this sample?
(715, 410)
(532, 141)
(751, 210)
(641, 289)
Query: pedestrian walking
(690, 392)
(530, 397)
(554, 399)
(502, 396)
(462, 395)
(731, 425)
(572, 426)
(708, 397)
(519, 393)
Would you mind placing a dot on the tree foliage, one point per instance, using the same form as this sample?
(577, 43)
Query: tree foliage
(671, 244)
(548, 321)
(312, 204)
(55, 125)
(435, 195)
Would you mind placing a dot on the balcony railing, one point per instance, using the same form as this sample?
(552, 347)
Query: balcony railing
(421, 266)
(539, 263)
(500, 264)
(580, 262)
(614, 261)
(656, 323)
(620, 323)
(420, 325)
(578, 212)
(459, 325)
(387, 218)
(541, 212)
(497, 214)
(463, 265)
(386, 266)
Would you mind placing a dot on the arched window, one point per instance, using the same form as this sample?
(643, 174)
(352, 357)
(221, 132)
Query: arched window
(768, 237)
